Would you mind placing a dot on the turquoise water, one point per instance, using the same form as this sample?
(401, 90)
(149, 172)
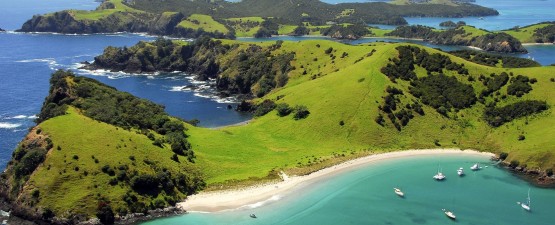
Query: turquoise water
(365, 195)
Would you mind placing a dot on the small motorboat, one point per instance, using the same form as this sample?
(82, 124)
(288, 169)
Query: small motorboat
(460, 172)
(252, 216)
(399, 192)
(475, 167)
(449, 214)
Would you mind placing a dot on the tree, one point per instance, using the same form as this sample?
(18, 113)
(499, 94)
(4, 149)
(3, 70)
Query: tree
(301, 31)
(105, 213)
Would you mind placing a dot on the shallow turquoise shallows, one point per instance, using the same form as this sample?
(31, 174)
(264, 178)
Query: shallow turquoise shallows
(365, 195)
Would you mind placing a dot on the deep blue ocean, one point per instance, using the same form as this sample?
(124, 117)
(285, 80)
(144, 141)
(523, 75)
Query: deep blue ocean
(27, 60)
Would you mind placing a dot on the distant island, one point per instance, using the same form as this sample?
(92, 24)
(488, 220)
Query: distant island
(222, 19)
(98, 154)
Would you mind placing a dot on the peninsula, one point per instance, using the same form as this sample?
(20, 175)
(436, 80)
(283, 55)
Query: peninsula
(223, 19)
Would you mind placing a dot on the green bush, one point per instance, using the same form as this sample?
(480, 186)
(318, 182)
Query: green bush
(29, 162)
(503, 155)
(301, 112)
(514, 163)
(264, 108)
(283, 109)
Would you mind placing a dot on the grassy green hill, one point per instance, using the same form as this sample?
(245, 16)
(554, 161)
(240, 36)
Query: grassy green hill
(349, 91)
(95, 146)
(97, 150)
(207, 23)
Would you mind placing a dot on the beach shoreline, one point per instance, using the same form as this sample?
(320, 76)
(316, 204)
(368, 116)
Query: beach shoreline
(217, 201)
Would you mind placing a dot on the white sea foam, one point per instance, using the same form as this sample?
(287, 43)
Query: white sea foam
(261, 203)
(19, 117)
(4, 125)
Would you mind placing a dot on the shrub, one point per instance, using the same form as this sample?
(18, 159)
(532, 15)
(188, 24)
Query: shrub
(174, 157)
(521, 137)
(301, 112)
(283, 109)
(132, 157)
(503, 155)
(76, 157)
(380, 120)
(47, 214)
(341, 123)
(265, 107)
(104, 213)
(29, 162)
(35, 193)
(514, 163)
(549, 172)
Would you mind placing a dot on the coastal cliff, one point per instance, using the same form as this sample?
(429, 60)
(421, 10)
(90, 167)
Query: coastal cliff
(249, 70)
(98, 155)
(463, 35)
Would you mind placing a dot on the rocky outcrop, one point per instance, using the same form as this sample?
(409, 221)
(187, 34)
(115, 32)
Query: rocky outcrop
(498, 42)
(2, 30)
(205, 58)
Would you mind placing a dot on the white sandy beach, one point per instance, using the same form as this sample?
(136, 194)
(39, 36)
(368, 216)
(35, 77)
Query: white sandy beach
(233, 199)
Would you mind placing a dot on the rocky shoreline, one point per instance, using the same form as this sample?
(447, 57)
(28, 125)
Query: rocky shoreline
(132, 218)
(535, 177)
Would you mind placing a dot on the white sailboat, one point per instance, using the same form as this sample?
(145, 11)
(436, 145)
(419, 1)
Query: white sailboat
(399, 192)
(439, 175)
(526, 205)
(460, 172)
(475, 167)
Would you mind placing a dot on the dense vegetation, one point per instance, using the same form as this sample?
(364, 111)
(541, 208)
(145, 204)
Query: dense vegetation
(346, 32)
(313, 11)
(76, 113)
(248, 69)
(495, 60)
(545, 34)
(170, 17)
(462, 35)
(402, 67)
(452, 24)
(497, 116)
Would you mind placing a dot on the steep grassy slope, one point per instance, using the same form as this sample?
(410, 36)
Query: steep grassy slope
(93, 155)
(207, 23)
(534, 33)
(350, 91)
